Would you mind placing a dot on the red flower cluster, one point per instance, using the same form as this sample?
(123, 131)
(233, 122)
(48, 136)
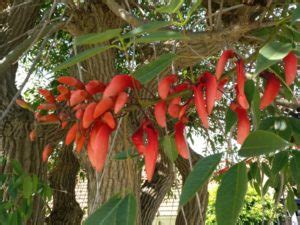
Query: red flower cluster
(91, 108)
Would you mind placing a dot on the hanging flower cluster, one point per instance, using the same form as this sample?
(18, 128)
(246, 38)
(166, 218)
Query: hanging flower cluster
(91, 110)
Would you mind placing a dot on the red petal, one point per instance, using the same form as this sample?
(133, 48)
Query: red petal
(241, 79)
(227, 54)
(94, 131)
(94, 87)
(100, 147)
(63, 90)
(119, 83)
(271, 91)
(77, 97)
(200, 106)
(211, 91)
(138, 140)
(290, 67)
(243, 125)
(48, 118)
(164, 85)
(80, 139)
(182, 111)
(71, 81)
(46, 106)
(23, 104)
(47, 95)
(160, 113)
(181, 87)
(121, 101)
(221, 88)
(88, 117)
(102, 106)
(180, 141)
(79, 114)
(64, 124)
(46, 152)
(32, 135)
(151, 151)
(109, 120)
(71, 134)
(174, 107)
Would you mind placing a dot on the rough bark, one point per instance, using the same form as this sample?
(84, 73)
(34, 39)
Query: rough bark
(191, 211)
(15, 128)
(63, 180)
(154, 192)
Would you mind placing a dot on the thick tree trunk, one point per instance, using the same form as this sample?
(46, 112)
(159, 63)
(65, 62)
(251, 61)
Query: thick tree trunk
(63, 180)
(193, 213)
(15, 128)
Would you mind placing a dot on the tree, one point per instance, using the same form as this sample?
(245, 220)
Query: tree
(188, 35)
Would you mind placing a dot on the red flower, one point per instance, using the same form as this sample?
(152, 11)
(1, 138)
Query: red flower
(241, 79)
(227, 54)
(290, 67)
(71, 81)
(94, 87)
(119, 83)
(88, 117)
(200, 105)
(47, 95)
(164, 85)
(102, 106)
(243, 124)
(121, 101)
(160, 113)
(149, 150)
(271, 90)
(47, 152)
(71, 134)
(180, 141)
(77, 97)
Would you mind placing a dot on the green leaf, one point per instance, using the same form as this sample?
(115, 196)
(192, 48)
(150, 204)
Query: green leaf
(262, 142)
(27, 186)
(17, 167)
(127, 210)
(271, 53)
(283, 128)
(161, 36)
(146, 73)
(148, 27)
(255, 108)
(106, 214)
(266, 169)
(279, 161)
(296, 14)
(231, 194)
(172, 7)
(230, 119)
(170, 148)
(81, 57)
(249, 90)
(198, 177)
(295, 167)
(290, 202)
(97, 38)
(125, 155)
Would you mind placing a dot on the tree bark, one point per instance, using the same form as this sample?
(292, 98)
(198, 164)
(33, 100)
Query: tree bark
(190, 214)
(15, 128)
(62, 178)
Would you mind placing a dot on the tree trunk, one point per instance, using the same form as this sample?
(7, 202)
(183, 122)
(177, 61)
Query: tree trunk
(190, 214)
(15, 128)
(63, 180)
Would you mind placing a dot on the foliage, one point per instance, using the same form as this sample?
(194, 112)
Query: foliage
(18, 192)
(255, 210)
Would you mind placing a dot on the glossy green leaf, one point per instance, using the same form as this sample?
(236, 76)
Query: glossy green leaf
(106, 214)
(97, 38)
(172, 7)
(290, 202)
(147, 72)
(127, 210)
(81, 57)
(170, 147)
(279, 161)
(202, 171)
(295, 166)
(230, 119)
(262, 142)
(249, 90)
(27, 186)
(231, 194)
(271, 53)
(255, 110)
(161, 36)
(148, 27)
(266, 169)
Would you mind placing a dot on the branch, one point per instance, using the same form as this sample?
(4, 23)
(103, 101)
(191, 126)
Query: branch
(13, 56)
